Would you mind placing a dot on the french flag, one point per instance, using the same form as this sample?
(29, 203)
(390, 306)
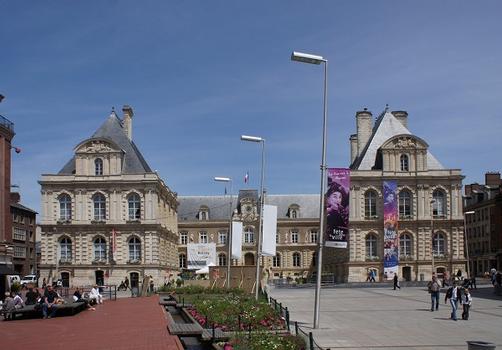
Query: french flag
(246, 177)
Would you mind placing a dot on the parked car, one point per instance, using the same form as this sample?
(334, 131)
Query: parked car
(29, 279)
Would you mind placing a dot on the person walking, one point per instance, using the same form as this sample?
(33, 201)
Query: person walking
(434, 289)
(396, 282)
(466, 304)
(454, 295)
(373, 273)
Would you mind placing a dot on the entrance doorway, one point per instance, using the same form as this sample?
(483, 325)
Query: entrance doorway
(249, 259)
(134, 277)
(65, 278)
(407, 273)
(100, 278)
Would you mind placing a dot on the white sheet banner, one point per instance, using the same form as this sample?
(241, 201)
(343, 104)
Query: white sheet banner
(236, 239)
(200, 255)
(268, 246)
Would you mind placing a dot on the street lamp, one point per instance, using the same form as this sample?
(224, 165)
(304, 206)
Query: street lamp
(229, 240)
(314, 59)
(262, 179)
(467, 242)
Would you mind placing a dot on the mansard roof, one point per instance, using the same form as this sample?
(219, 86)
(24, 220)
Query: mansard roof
(113, 129)
(219, 206)
(386, 127)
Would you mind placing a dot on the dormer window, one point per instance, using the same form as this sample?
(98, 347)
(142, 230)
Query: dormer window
(404, 161)
(294, 211)
(98, 167)
(204, 213)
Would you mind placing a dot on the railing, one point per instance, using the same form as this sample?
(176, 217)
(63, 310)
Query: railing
(6, 123)
(308, 337)
(283, 311)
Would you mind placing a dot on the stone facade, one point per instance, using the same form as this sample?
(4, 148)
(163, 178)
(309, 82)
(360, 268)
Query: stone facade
(430, 204)
(106, 215)
(23, 236)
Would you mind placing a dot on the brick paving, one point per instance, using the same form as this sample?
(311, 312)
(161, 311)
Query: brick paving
(128, 323)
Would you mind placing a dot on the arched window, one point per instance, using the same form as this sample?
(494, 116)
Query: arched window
(405, 204)
(99, 249)
(99, 202)
(297, 259)
(134, 205)
(371, 246)
(98, 166)
(438, 243)
(294, 211)
(134, 249)
(248, 259)
(405, 244)
(249, 235)
(276, 260)
(222, 259)
(65, 249)
(65, 207)
(203, 213)
(405, 165)
(438, 203)
(183, 261)
(370, 198)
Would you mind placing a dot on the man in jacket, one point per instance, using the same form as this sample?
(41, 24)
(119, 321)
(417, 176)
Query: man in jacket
(454, 294)
(434, 288)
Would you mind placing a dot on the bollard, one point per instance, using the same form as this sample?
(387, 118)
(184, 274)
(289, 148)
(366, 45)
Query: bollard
(296, 328)
(214, 335)
(311, 341)
(287, 319)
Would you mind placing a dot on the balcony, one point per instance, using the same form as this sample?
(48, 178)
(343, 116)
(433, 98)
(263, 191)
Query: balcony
(6, 123)
(65, 261)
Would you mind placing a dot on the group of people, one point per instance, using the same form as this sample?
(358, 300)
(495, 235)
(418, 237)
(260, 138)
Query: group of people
(48, 301)
(455, 294)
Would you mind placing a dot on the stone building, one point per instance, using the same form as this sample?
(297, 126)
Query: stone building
(23, 236)
(106, 215)
(430, 227)
(484, 224)
(205, 219)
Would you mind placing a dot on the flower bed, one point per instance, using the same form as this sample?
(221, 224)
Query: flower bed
(262, 340)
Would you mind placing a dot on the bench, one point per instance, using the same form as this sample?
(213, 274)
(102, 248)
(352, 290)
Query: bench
(68, 309)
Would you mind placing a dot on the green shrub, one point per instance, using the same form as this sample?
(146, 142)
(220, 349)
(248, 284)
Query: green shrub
(15, 287)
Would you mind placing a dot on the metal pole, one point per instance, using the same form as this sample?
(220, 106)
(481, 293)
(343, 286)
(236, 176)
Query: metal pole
(466, 248)
(320, 239)
(229, 240)
(258, 245)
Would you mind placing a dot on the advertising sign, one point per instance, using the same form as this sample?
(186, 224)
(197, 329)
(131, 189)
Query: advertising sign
(337, 208)
(236, 239)
(390, 236)
(268, 247)
(200, 255)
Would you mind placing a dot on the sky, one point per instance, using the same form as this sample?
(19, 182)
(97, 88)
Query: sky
(199, 74)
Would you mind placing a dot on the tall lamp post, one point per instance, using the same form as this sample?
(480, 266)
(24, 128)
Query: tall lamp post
(262, 179)
(314, 59)
(467, 242)
(229, 239)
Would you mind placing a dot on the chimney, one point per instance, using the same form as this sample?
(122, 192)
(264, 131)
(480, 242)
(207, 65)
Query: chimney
(127, 120)
(364, 121)
(353, 148)
(15, 197)
(402, 116)
(492, 179)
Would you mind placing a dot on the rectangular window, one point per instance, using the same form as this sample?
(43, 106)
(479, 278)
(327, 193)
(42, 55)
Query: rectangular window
(19, 234)
(222, 237)
(183, 237)
(313, 236)
(277, 238)
(203, 237)
(19, 252)
(294, 236)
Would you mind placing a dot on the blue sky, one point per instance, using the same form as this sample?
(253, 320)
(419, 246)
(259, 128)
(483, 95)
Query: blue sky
(201, 73)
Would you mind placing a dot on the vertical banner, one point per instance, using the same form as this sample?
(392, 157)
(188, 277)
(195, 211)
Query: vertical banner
(268, 247)
(200, 255)
(236, 239)
(390, 237)
(337, 208)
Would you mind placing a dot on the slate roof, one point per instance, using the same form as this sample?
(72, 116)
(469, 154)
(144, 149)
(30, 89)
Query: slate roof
(22, 207)
(112, 128)
(386, 127)
(219, 206)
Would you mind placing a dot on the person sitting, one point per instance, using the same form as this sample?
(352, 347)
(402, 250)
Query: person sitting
(122, 286)
(8, 306)
(50, 300)
(18, 301)
(78, 297)
(31, 297)
(95, 295)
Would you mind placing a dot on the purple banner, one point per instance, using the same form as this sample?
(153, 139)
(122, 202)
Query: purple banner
(337, 208)
(390, 237)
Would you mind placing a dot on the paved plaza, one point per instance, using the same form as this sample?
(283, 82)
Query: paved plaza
(381, 318)
(128, 323)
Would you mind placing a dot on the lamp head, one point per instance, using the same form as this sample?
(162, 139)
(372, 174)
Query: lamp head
(252, 138)
(222, 179)
(306, 58)
(469, 212)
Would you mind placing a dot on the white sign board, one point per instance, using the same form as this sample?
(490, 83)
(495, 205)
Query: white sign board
(199, 255)
(268, 247)
(236, 239)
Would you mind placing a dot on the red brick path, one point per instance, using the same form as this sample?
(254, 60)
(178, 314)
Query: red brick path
(128, 323)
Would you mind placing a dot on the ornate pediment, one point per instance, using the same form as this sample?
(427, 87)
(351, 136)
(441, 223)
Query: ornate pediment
(404, 142)
(248, 210)
(97, 146)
